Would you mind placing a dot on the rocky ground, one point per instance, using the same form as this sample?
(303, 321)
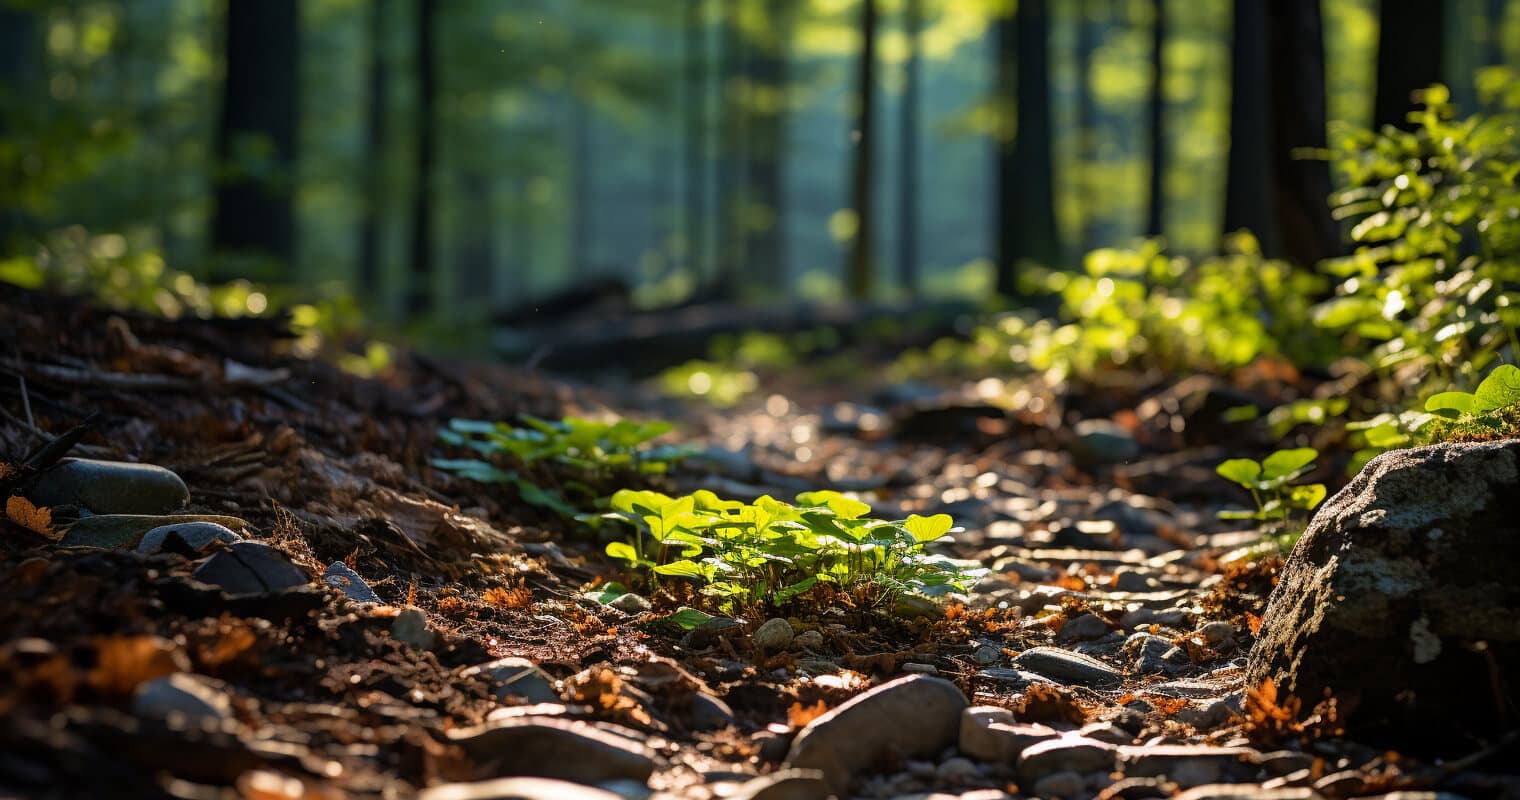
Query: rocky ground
(335, 618)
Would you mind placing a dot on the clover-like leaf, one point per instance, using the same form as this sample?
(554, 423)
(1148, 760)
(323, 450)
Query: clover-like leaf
(1501, 389)
(928, 529)
(1285, 463)
(1244, 471)
(1452, 405)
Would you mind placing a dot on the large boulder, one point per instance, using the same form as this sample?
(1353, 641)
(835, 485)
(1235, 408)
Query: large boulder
(1403, 596)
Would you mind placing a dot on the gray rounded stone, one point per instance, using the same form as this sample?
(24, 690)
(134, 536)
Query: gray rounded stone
(515, 677)
(194, 536)
(340, 575)
(411, 627)
(1067, 667)
(631, 603)
(855, 735)
(774, 634)
(516, 789)
(1066, 754)
(185, 696)
(251, 568)
(558, 749)
(109, 487)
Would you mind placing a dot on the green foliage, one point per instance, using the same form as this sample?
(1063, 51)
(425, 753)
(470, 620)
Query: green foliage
(1144, 308)
(1437, 215)
(1271, 483)
(772, 552)
(592, 450)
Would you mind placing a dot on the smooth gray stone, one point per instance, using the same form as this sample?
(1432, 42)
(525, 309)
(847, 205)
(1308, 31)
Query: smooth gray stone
(250, 568)
(552, 748)
(354, 587)
(516, 789)
(517, 677)
(1067, 667)
(195, 536)
(187, 696)
(109, 487)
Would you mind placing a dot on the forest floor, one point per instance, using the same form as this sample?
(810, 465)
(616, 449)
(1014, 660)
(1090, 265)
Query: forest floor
(1108, 622)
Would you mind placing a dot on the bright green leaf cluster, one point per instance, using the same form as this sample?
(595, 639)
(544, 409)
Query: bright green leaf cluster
(770, 551)
(593, 449)
(1270, 482)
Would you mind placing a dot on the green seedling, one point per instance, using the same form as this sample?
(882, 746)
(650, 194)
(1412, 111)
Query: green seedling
(772, 552)
(1281, 505)
(590, 450)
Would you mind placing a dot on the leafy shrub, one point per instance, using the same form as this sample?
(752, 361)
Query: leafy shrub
(772, 552)
(593, 450)
(1144, 308)
(1492, 411)
(1437, 214)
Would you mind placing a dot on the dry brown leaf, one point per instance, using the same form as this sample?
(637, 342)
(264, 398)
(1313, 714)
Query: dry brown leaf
(799, 715)
(124, 662)
(1254, 623)
(20, 510)
(501, 597)
(6, 470)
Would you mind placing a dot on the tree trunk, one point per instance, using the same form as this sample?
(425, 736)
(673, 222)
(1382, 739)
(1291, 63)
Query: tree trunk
(20, 70)
(907, 189)
(1026, 193)
(1411, 38)
(861, 279)
(377, 145)
(256, 138)
(694, 144)
(1297, 47)
(420, 295)
(1088, 134)
(766, 163)
(1248, 188)
(732, 193)
(1155, 223)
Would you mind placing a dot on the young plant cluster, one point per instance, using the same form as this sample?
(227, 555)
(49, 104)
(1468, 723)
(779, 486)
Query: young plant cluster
(1282, 505)
(771, 552)
(590, 451)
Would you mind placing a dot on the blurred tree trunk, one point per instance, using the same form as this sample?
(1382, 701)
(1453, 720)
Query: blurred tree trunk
(861, 276)
(256, 136)
(1088, 135)
(694, 144)
(765, 237)
(1155, 223)
(582, 185)
(376, 146)
(474, 243)
(907, 189)
(1248, 187)
(1275, 187)
(1026, 194)
(1299, 122)
(732, 152)
(19, 74)
(420, 294)
(1411, 40)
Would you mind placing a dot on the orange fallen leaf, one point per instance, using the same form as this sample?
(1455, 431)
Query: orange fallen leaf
(20, 510)
(124, 662)
(800, 715)
(1254, 623)
(6, 470)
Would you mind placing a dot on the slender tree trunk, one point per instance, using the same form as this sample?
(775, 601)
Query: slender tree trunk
(861, 276)
(694, 143)
(1248, 188)
(1411, 38)
(420, 294)
(20, 70)
(1297, 61)
(583, 186)
(377, 145)
(1090, 173)
(765, 247)
(1026, 193)
(1155, 223)
(475, 242)
(253, 214)
(907, 190)
(733, 193)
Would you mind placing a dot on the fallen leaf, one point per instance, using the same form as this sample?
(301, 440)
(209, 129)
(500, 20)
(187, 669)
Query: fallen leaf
(20, 510)
(6, 470)
(799, 715)
(1254, 623)
(124, 662)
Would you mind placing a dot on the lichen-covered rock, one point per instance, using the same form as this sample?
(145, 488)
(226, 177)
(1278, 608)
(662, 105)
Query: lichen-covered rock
(1402, 595)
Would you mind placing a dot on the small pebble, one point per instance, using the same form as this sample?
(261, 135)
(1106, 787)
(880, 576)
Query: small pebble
(810, 640)
(346, 580)
(194, 537)
(631, 603)
(411, 627)
(775, 634)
